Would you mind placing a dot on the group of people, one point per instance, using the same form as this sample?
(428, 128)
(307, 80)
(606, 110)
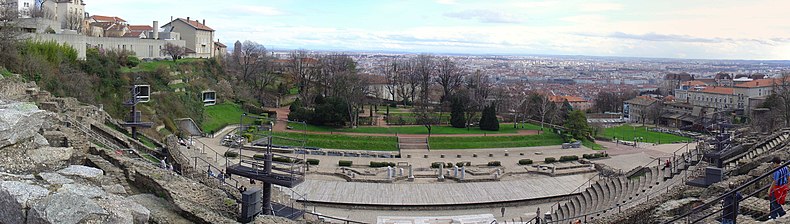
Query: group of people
(777, 195)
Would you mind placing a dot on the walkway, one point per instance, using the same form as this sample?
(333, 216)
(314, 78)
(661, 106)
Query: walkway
(450, 193)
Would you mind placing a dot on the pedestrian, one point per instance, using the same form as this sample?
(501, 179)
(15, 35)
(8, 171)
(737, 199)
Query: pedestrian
(162, 164)
(537, 216)
(252, 182)
(730, 204)
(503, 211)
(778, 190)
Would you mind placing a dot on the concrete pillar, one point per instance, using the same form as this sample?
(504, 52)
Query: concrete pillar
(400, 172)
(463, 172)
(441, 171)
(455, 171)
(411, 173)
(390, 171)
(498, 172)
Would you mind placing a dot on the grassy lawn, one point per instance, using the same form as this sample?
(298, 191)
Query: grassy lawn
(220, 115)
(628, 133)
(592, 145)
(503, 128)
(339, 141)
(544, 139)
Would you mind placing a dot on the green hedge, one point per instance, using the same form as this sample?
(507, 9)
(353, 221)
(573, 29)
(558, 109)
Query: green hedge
(231, 154)
(344, 163)
(381, 164)
(595, 155)
(494, 163)
(524, 161)
(569, 158)
(313, 162)
(282, 159)
(550, 160)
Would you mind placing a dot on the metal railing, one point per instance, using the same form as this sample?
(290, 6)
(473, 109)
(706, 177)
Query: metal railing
(674, 163)
(701, 208)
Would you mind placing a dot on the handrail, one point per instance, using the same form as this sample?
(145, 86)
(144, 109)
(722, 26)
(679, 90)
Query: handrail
(733, 191)
(672, 168)
(225, 176)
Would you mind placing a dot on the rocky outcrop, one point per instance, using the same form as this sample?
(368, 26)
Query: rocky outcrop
(86, 172)
(16, 198)
(19, 121)
(54, 178)
(51, 155)
(66, 207)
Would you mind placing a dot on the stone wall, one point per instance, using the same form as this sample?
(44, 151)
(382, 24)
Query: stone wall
(143, 48)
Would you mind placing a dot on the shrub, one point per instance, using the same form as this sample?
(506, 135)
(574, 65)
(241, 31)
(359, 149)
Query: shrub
(231, 154)
(524, 161)
(494, 163)
(313, 162)
(282, 159)
(436, 165)
(247, 136)
(550, 160)
(258, 157)
(381, 164)
(344, 163)
(569, 158)
(132, 61)
(448, 165)
(460, 164)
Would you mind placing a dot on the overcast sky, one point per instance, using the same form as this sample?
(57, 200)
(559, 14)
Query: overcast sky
(721, 29)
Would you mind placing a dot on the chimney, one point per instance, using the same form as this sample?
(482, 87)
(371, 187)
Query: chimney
(155, 36)
(187, 18)
(204, 22)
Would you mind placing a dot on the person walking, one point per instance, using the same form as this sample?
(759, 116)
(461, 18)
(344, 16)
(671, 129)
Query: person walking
(730, 204)
(503, 211)
(778, 190)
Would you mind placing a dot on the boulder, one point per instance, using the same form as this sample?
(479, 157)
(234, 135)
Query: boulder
(86, 172)
(15, 200)
(54, 178)
(124, 210)
(50, 155)
(19, 121)
(83, 190)
(114, 189)
(67, 207)
(40, 140)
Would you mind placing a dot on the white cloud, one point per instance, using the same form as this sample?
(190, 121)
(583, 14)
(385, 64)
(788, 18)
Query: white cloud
(600, 7)
(485, 16)
(446, 2)
(257, 10)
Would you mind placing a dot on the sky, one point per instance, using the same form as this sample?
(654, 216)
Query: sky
(693, 29)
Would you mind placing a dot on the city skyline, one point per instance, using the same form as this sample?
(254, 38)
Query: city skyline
(751, 30)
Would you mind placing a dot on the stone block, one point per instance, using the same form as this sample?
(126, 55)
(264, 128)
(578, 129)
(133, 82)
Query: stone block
(86, 172)
(16, 198)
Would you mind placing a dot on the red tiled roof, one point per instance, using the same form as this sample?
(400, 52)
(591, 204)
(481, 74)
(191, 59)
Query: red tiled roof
(761, 83)
(717, 90)
(694, 83)
(135, 34)
(570, 99)
(107, 18)
(141, 28)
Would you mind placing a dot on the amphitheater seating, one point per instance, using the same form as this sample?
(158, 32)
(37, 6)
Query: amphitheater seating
(603, 196)
(774, 142)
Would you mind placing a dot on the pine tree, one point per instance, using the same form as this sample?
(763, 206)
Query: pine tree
(488, 120)
(457, 118)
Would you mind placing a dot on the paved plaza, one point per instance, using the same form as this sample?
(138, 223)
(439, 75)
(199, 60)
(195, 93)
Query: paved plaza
(448, 193)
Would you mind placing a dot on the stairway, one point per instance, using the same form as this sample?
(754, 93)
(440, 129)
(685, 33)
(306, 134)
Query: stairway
(413, 145)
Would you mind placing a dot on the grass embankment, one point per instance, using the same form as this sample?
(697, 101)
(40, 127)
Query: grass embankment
(218, 116)
(140, 137)
(628, 133)
(376, 143)
(544, 139)
(504, 128)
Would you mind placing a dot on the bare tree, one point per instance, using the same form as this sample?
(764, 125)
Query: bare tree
(251, 60)
(302, 70)
(174, 51)
(781, 88)
(393, 72)
(542, 107)
(450, 77)
(424, 70)
(73, 21)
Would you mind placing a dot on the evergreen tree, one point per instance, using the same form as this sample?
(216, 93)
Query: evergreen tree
(457, 106)
(488, 120)
(577, 125)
